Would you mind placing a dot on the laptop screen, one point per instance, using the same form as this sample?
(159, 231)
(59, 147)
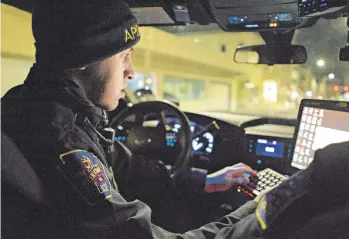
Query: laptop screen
(317, 128)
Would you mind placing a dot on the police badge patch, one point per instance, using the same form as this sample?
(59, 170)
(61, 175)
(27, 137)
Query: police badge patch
(86, 174)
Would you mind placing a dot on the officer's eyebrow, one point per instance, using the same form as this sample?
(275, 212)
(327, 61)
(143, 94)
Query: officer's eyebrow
(127, 52)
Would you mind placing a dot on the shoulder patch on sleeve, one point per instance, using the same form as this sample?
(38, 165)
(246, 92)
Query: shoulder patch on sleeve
(85, 172)
(261, 213)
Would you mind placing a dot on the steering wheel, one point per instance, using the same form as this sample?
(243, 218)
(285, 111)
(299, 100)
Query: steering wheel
(143, 140)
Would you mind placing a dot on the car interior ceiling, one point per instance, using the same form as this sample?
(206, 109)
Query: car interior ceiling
(221, 139)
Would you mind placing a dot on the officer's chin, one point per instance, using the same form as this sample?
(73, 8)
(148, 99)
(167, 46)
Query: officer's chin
(109, 106)
(113, 106)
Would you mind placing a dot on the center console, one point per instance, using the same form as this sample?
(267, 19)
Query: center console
(268, 152)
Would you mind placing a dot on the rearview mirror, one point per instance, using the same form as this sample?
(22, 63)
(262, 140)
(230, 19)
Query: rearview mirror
(271, 54)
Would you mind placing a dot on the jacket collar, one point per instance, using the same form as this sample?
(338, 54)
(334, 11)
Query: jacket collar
(51, 85)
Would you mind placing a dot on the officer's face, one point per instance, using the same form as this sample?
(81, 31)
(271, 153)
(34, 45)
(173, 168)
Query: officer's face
(117, 70)
(105, 82)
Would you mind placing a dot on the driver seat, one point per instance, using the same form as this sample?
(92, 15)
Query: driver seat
(21, 191)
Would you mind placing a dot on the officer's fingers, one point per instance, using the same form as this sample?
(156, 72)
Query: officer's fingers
(237, 181)
(250, 171)
(228, 183)
(247, 169)
(240, 171)
(236, 172)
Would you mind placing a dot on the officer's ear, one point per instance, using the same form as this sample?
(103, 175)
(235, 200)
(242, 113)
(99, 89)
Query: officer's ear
(76, 70)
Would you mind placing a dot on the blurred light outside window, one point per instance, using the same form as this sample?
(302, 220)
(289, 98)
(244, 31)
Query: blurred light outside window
(184, 89)
(270, 90)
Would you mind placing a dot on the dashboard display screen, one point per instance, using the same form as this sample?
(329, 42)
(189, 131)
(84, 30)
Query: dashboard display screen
(317, 129)
(201, 144)
(270, 148)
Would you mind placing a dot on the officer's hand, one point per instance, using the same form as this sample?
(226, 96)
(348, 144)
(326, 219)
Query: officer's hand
(224, 179)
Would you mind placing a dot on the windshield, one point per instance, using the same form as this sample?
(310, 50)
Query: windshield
(194, 66)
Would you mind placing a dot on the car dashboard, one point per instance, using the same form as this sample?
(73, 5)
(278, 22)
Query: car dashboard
(219, 142)
(257, 146)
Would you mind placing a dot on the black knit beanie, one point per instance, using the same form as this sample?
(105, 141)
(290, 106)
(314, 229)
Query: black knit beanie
(71, 34)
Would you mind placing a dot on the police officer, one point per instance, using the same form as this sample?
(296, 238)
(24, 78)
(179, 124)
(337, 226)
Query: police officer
(83, 62)
(83, 53)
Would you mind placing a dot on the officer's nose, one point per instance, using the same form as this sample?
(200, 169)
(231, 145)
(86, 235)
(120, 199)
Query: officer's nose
(129, 72)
